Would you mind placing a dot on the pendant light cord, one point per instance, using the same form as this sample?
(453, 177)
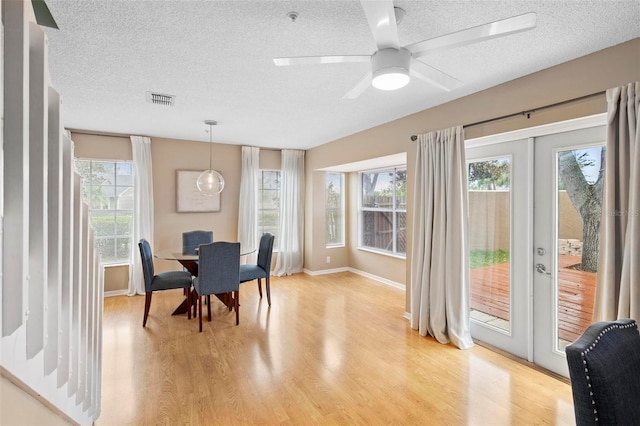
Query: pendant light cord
(210, 148)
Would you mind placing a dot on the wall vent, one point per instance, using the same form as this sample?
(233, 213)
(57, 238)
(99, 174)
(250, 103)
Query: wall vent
(161, 99)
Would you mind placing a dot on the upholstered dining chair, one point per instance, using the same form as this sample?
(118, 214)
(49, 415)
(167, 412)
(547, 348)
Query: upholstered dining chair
(262, 269)
(604, 366)
(162, 281)
(218, 273)
(191, 240)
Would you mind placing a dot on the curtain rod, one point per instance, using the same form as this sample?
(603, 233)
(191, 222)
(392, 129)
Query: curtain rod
(80, 132)
(528, 112)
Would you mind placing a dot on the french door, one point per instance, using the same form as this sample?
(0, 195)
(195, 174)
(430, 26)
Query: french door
(534, 209)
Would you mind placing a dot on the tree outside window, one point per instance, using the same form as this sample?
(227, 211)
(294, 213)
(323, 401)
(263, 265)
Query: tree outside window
(107, 187)
(334, 224)
(269, 203)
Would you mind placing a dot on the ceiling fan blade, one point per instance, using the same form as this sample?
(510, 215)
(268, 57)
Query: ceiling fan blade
(488, 31)
(382, 21)
(306, 60)
(433, 76)
(359, 88)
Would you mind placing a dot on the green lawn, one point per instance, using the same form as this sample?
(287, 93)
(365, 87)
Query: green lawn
(480, 258)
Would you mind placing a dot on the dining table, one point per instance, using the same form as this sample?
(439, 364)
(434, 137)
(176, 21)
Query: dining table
(190, 263)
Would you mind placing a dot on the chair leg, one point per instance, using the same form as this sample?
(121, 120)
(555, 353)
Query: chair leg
(200, 312)
(147, 305)
(260, 287)
(209, 307)
(188, 294)
(237, 305)
(268, 290)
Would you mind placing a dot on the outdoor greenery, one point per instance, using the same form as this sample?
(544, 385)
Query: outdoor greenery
(489, 175)
(480, 258)
(106, 188)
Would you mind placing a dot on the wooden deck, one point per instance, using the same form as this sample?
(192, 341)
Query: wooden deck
(490, 294)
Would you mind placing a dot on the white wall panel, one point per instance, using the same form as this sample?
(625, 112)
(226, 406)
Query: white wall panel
(16, 165)
(54, 233)
(38, 163)
(66, 283)
(85, 285)
(77, 283)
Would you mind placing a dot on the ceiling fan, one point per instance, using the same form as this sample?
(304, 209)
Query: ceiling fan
(392, 64)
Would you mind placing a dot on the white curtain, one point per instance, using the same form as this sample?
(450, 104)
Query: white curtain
(142, 209)
(248, 206)
(289, 259)
(439, 256)
(618, 279)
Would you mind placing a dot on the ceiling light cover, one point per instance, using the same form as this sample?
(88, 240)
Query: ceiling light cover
(210, 182)
(391, 79)
(390, 68)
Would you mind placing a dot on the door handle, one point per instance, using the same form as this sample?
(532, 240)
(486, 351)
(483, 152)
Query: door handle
(541, 269)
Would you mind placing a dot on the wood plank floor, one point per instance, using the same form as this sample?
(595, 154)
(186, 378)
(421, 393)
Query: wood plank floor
(576, 290)
(332, 349)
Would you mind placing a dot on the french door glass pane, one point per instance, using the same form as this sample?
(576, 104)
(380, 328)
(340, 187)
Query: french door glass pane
(579, 195)
(489, 185)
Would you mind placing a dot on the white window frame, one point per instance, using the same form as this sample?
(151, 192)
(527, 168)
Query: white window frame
(341, 210)
(394, 211)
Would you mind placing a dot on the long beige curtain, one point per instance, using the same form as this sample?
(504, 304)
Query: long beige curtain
(618, 282)
(142, 209)
(439, 256)
(289, 259)
(248, 202)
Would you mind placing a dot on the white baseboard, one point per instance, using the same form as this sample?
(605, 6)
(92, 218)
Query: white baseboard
(325, 271)
(384, 281)
(407, 316)
(113, 293)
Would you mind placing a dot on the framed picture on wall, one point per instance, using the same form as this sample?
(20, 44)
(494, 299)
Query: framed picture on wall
(189, 199)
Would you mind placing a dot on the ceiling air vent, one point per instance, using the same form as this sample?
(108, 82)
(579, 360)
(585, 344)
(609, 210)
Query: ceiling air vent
(161, 99)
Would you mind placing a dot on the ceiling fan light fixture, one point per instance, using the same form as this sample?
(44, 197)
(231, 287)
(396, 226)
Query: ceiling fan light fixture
(390, 68)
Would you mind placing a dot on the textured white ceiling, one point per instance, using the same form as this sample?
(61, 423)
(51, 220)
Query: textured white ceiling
(216, 57)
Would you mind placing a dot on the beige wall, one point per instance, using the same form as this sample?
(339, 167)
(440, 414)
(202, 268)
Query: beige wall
(170, 155)
(590, 74)
(18, 407)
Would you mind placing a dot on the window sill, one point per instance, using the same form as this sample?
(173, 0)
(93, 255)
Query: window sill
(335, 246)
(384, 253)
(110, 265)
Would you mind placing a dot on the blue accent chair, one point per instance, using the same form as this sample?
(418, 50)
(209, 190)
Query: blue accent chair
(604, 366)
(192, 240)
(263, 268)
(218, 274)
(163, 281)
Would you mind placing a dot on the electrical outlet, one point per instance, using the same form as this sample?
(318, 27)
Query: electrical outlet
(328, 259)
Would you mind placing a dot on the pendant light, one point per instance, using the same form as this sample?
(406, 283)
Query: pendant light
(210, 182)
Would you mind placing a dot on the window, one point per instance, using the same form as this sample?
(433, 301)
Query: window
(383, 210)
(107, 187)
(334, 209)
(269, 203)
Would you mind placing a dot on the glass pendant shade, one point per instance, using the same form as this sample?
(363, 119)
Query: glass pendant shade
(210, 182)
